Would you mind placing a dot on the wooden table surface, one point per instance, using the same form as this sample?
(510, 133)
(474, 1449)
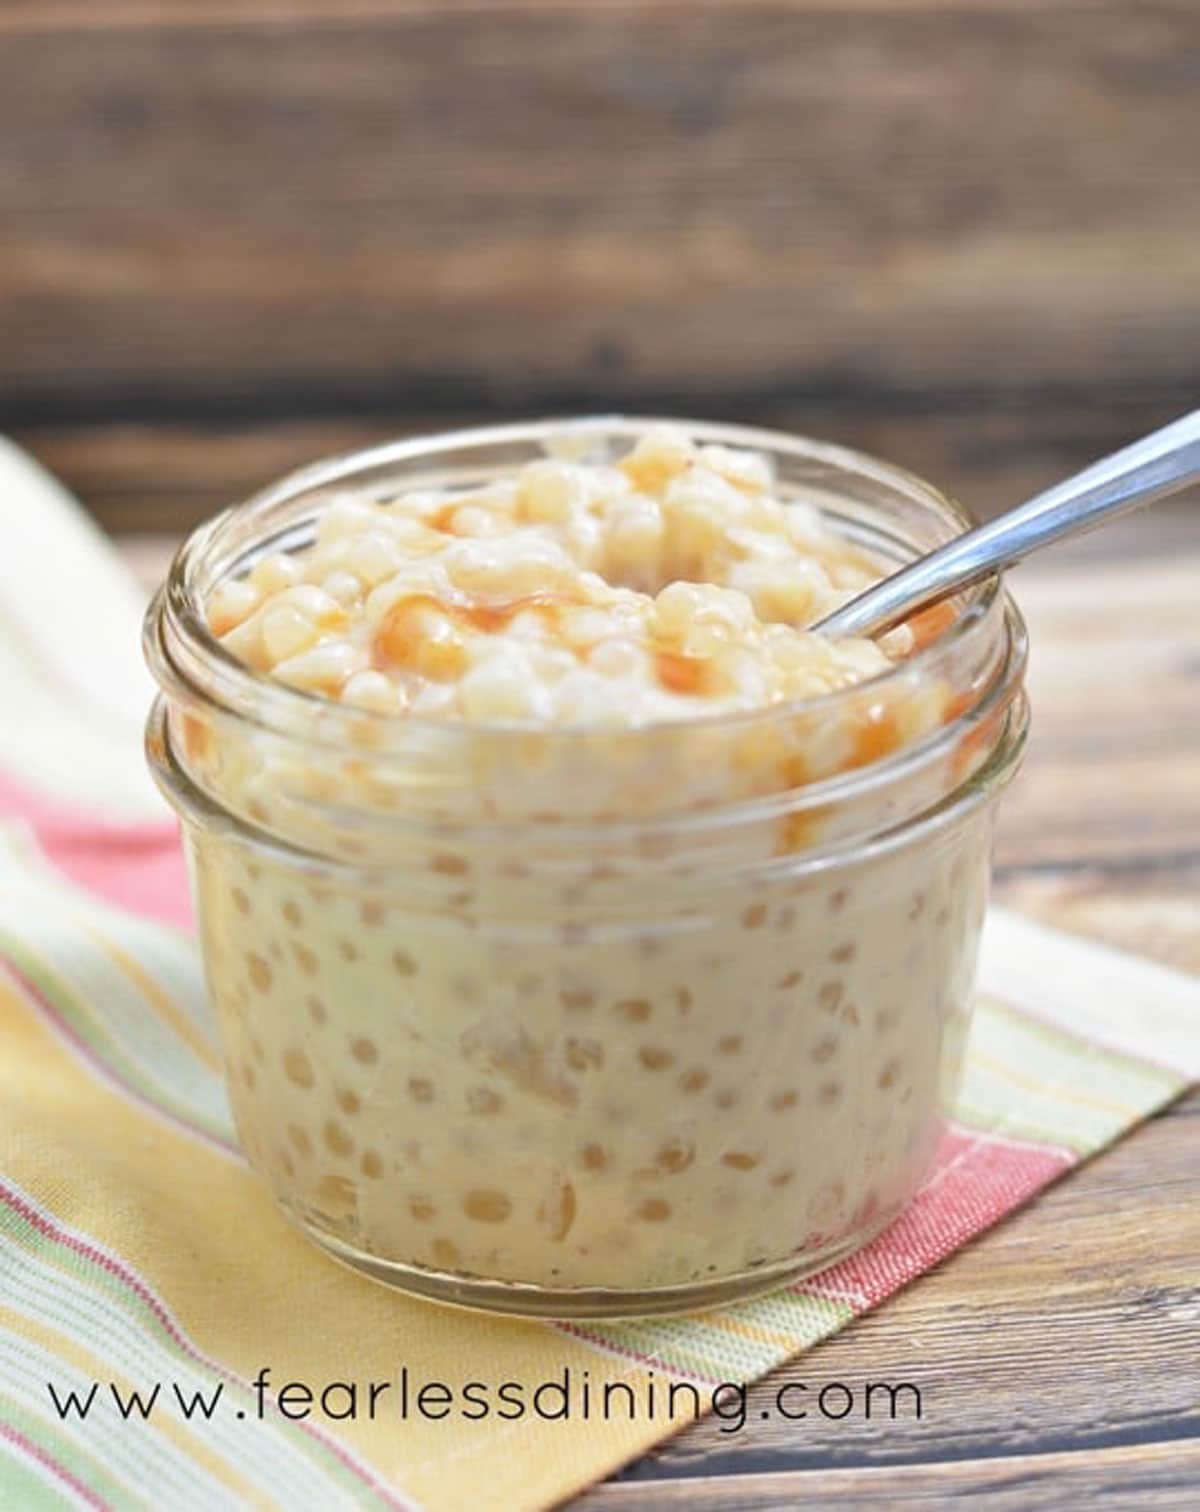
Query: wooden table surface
(1058, 1357)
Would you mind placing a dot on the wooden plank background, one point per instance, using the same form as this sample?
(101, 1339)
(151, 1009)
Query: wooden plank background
(962, 233)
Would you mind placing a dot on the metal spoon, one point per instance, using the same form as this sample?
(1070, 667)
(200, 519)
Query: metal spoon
(1159, 464)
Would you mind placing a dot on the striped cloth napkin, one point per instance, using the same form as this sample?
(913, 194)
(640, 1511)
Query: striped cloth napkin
(139, 1254)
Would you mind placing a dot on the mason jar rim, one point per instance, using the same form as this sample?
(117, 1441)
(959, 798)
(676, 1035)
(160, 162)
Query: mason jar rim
(1006, 709)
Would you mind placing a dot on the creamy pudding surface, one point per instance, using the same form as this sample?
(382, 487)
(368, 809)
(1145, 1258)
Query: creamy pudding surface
(587, 1030)
(671, 584)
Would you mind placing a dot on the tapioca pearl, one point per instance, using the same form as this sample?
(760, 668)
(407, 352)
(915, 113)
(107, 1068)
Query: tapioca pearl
(675, 1156)
(782, 1101)
(849, 1015)
(889, 1075)
(726, 1098)
(730, 1044)
(348, 951)
(829, 996)
(824, 1049)
(843, 953)
(683, 1000)
(741, 1160)
(364, 1050)
(942, 917)
(446, 864)
(292, 912)
(240, 901)
(403, 964)
(755, 916)
(349, 1101)
(828, 1093)
(298, 1068)
(781, 1178)
(486, 1205)
(300, 1141)
(421, 1208)
(484, 1102)
(593, 1157)
(786, 983)
(317, 1010)
(420, 1089)
(916, 906)
(260, 973)
(694, 1080)
(577, 1000)
(306, 959)
(653, 1210)
(337, 1194)
(559, 1212)
(338, 1141)
(636, 1010)
(837, 899)
(445, 1253)
(584, 1054)
(655, 1057)
(371, 1165)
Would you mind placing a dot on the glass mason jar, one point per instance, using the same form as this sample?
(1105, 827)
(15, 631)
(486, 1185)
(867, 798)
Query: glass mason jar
(587, 1022)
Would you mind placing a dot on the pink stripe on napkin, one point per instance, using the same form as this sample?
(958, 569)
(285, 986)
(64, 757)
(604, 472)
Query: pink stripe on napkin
(138, 865)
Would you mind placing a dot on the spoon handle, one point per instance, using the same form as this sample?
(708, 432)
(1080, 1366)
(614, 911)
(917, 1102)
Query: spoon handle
(1161, 463)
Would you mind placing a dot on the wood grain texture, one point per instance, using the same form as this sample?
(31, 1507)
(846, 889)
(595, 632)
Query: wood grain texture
(1058, 1357)
(138, 477)
(395, 210)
